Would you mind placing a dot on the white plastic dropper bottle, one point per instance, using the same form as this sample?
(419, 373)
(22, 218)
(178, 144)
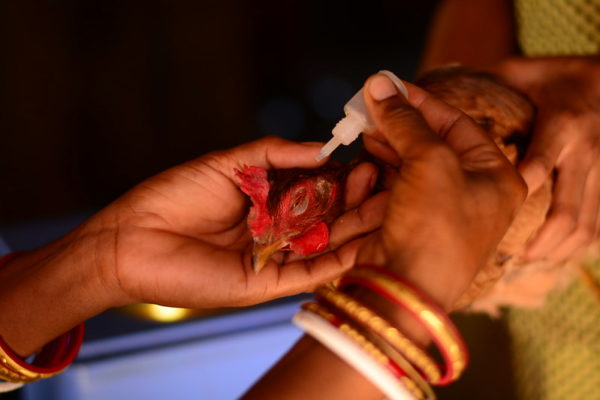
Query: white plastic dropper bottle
(357, 119)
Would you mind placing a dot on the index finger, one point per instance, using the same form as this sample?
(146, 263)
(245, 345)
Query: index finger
(460, 132)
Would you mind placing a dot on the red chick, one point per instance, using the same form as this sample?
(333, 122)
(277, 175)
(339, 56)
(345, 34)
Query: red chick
(292, 208)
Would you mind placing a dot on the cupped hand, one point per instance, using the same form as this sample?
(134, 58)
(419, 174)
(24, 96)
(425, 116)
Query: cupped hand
(566, 139)
(181, 238)
(454, 195)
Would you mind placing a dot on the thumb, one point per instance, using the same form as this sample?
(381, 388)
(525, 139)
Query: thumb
(402, 126)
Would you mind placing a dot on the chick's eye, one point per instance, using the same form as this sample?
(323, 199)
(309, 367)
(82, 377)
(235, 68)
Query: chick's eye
(300, 202)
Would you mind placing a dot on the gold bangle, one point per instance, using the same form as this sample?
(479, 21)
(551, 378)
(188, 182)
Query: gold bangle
(65, 346)
(8, 365)
(362, 314)
(344, 327)
(413, 379)
(9, 375)
(366, 344)
(439, 326)
(414, 375)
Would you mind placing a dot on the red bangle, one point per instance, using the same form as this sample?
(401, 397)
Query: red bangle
(376, 348)
(380, 327)
(53, 352)
(441, 329)
(52, 359)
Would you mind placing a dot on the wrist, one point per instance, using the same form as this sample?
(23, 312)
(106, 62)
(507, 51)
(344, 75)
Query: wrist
(444, 281)
(413, 303)
(99, 241)
(442, 275)
(48, 291)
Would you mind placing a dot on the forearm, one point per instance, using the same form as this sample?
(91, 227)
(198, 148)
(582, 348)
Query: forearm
(46, 292)
(310, 370)
(472, 32)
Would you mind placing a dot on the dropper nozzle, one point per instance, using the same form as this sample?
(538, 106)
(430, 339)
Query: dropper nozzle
(329, 147)
(357, 119)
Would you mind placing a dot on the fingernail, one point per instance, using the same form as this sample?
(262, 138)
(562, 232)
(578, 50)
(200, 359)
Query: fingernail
(397, 81)
(381, 87)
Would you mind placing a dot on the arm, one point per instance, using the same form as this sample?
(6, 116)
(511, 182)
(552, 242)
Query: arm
(473, 32)
(566, 141)
(438, 245)
(177, 239)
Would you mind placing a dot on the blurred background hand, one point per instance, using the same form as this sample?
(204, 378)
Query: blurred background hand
(566, 140)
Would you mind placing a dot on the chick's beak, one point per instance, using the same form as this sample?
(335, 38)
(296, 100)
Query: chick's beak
(262, 252)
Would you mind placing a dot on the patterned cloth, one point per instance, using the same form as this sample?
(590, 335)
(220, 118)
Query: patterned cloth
(558, 27)
(556, 349)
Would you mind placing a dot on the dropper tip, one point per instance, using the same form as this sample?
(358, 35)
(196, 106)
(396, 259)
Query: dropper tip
(328, 148)
(321, 156)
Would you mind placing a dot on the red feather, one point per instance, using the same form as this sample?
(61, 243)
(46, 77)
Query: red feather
(293, 207)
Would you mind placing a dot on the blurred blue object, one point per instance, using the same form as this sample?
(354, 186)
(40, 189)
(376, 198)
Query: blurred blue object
(4, 249)
(214, 358)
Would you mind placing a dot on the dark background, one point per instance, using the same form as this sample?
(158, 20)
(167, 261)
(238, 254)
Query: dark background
(97, 95)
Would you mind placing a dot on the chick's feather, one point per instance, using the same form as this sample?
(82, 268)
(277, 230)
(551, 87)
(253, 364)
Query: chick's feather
(293, 207)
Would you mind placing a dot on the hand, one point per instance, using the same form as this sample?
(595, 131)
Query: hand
(181, 238)
(566, 139)
(451, 201)
(453, 198)
(178, 239)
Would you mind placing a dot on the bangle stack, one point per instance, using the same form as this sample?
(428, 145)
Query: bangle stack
(54, 358)
(386, 354)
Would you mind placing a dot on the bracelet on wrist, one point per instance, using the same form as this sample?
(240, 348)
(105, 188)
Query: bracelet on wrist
(53, 358)
(348, 350)
(377, 324)
(431, 316)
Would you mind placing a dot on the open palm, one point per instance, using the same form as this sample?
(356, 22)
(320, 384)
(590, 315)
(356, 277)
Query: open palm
(180, 238)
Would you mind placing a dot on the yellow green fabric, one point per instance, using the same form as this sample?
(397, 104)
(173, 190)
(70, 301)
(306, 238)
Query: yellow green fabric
(558, 27)
(556, 349)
